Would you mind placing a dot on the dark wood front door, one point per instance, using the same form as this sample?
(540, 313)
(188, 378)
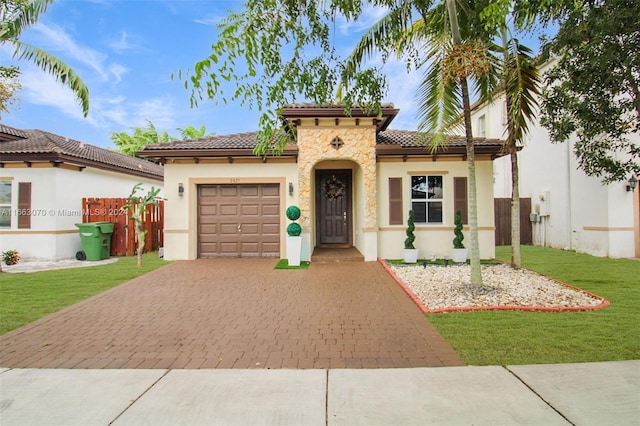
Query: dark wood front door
(333, 204)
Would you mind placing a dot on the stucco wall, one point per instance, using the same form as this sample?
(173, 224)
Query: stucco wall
(584, 214)
(434, 239)
(56, 203)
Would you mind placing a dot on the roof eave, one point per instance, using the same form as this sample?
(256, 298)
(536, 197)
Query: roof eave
(59, 158)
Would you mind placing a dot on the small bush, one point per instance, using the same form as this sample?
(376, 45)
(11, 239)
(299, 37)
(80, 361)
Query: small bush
(10, 257)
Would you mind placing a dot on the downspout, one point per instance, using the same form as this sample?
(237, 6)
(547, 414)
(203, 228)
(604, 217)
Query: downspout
(569, 244)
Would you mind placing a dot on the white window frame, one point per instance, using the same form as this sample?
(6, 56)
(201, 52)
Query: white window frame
(5, 208)
(437, 198)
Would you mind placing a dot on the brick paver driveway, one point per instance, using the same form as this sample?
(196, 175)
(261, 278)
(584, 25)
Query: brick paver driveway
(237, 313)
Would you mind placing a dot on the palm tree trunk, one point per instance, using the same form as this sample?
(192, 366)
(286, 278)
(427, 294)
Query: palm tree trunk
(474, 255)
(516, 261)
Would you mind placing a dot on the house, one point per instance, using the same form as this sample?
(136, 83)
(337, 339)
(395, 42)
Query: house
(43, 178)
(353, 180)
(569, 210)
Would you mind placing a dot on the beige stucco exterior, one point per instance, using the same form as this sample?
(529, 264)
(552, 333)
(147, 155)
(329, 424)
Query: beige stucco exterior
(371, 233)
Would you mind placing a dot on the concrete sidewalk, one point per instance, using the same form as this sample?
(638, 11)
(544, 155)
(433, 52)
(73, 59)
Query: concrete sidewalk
(605, 393)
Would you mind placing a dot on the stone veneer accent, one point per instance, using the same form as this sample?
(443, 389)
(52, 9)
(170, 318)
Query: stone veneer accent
(314, 145)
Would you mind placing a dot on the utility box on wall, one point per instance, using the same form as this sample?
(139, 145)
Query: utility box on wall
(543, 207)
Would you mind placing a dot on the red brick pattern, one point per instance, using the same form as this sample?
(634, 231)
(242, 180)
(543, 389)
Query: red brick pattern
(237, 313)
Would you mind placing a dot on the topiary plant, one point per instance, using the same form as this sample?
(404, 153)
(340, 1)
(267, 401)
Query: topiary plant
(408, 242)
(457, 241)
(293, 213)
(294, 229)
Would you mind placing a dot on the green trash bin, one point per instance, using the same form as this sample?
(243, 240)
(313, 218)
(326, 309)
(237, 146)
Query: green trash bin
(95, 239)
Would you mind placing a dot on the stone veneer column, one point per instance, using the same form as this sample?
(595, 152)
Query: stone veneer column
(359, 145)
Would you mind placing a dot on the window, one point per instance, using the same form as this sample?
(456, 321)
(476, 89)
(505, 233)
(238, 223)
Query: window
(426, 198)
(5, 204)
(482, 126)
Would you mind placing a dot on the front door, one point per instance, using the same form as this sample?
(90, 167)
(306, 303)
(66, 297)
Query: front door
(333, 205)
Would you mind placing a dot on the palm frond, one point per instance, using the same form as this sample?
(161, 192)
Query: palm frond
(522, 83)
(22, 17)
(57, 68)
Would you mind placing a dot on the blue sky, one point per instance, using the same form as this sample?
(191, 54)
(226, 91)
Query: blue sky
(126, 51)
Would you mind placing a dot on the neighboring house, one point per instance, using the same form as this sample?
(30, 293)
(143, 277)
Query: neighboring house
(353, 180)
(43, 178)
(569, 210)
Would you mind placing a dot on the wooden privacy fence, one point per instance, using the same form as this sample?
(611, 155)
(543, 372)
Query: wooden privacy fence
(123, 239)
(502, 217)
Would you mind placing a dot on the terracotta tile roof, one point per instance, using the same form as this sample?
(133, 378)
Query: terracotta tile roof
(401, 138)
(245, 140)
(48, 146)
(311, 105)
(10, 133)
(411, 138)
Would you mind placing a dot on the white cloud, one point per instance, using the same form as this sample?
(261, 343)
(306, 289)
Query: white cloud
(369, 16)
(211, 20)
(121, 43)
(54, 39)
(118, 71)
(41, 88)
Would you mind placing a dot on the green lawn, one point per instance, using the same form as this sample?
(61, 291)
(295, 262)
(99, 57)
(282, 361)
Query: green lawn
(510, 337)
(26, 297)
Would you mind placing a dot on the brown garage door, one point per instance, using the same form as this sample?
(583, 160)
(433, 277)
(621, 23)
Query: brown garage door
(239, 220)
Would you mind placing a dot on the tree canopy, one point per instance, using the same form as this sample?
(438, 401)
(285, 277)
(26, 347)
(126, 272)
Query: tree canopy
(593, 92)
(129, 144)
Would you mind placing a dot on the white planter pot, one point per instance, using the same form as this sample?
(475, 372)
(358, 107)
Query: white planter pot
(410, 255)
(459, 255)
(294, 249)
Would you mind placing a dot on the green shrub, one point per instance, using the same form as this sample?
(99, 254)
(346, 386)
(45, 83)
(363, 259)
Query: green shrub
(10, 257)
(457, 241)
(408, 243)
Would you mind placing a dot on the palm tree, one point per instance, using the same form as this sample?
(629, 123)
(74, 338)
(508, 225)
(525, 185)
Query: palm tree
(459, 47)
(444, 93)
(18, 15)
(520, 81)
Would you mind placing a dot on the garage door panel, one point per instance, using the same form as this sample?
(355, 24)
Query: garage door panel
(250, 210)
(229, 210)
(270, 210)
(271, 191)
(209, 229)
(228, 190)
(270, 229)
(249, 191)
(208, 191)
(208, 210)
(250, 229)
(228, 229)
(256, 208)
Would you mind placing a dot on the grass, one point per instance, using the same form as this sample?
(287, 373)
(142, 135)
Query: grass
(25, 298)
(510, 337)
(284, 264)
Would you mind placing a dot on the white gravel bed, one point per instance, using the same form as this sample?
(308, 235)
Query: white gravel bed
(440, 287)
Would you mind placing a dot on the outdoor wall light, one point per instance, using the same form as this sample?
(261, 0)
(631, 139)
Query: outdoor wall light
(291, 188)
(632, 182)
(180, 189)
